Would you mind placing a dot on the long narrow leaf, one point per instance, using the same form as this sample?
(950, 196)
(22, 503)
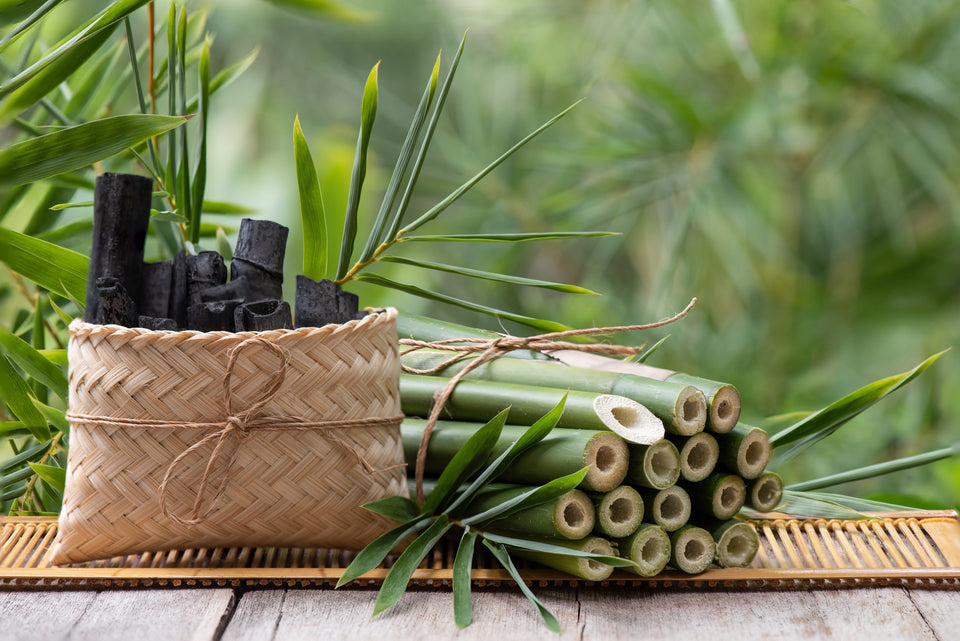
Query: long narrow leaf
(851, 502)
(546, 492)
(813, 505)
(329, 9)
(510, 238)
(395, 583)
(55, 477)
(878, 469)
(60, 270)
(16, 396)
(462, 579)
(225, 77)
(368, 113)
(398, 508)
(200, 173)
(34, 451)
(500, 552)
(31, 19)
(33, 362)
(376, 551)
(78, 146)
(184, 200)
(312, 217)
(539, 546)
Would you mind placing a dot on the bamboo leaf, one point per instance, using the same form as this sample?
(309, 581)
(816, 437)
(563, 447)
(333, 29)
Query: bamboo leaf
(543, 325)
(53, 415)
(878, 469)
(62, 271)
(500, 278)
(368, 113)
(16, 396)
(62, 206)
(825, 422)
(395, 583)
(223, 245)
(66, 321)
(815, 505)
(33, 362)
(312, 217)
(437, 209)
(510, 238)
(78, 146)
(219, 207)
(167, 217)
(15, 477)
(462, 567)
(653, 348)
(25, 455)
(377, 550)
(398, 508)
(546, 492)
(329, 9)
(390, 196)
(25, 12)
(855, 503)
(465, 463)
(503, 557)
(55, 477)
(13, 428)
(538, 546)
(200, 173)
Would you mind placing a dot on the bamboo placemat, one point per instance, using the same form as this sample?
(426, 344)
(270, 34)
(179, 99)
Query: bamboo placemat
(919, 549)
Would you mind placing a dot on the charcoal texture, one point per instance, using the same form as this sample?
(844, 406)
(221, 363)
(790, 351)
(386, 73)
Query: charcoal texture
(261, 284)
(262, 243)
(213, 316)
(114, 305)
(204, 270)
(157, 324)
(156, 279)
(320, 303)
(263, 315)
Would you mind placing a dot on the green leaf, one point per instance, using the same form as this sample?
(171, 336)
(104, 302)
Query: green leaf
(200, 173)
(78, 146)
(53, 415)
(14, 493)
(225, 77)
(503, 557)
(437, 209)
(16, 396)
(62, 206)
(546, 492)
(653, 348)
(539, 546)
(223, 244)
(390, 196)
(368, 113)
(398, 508)
(65, 317)
(500, 278)
(55, 356)
(31, 452)
(33, 362)
(312, 217)
(543, 325)
(465, 463)
(815, 505)
(68, 231)
(329, 9)
(462, 567)
(509, 238)
(378, 549)
(219, 207)
(167, 217)
(395, 583)
(878, 469)
(55, 477)
(62, 271)
(13, 428)
(22, 10)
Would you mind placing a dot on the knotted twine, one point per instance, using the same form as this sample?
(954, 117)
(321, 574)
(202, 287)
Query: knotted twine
(237, 424)
(492, 348)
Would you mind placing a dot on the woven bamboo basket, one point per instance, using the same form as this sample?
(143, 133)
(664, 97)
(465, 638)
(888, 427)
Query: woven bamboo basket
(188, 439)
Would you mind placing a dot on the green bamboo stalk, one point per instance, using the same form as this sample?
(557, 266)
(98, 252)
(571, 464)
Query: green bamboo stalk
(723, 401)
(720, 495)
(737, 541)
(577, 566)
(693, 549)
(571, 516)
(682, 408)
(561, 452)
(669, 508)
(482, 400)
(745, 450)
(619, 512)
(698, 455)
(765, 493)
(656, 466)
(648, 547)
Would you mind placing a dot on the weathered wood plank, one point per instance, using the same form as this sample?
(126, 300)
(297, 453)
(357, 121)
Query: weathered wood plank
(940, 610)
(27, 616)
(877, 614)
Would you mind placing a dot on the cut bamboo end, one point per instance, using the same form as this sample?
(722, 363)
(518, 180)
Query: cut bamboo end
(584, 568)
(648, 547)
(754, 454)
(619, 512)
(574, 515)
(693, 549)
(656, 465)
(628, 419)
(595, 570)
(690, 412)
(724, 410)
(728, 495)
(766, 492)
(608, 457)
(669, 508)
(737, 544)
(698, 456)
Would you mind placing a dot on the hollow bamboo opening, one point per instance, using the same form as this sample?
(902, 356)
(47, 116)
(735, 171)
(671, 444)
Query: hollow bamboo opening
(729, 496)
(574, 515)
(698, 457)
(724, 410)
(690, 411)
(766, 492)
(671, 508)
(608, 458)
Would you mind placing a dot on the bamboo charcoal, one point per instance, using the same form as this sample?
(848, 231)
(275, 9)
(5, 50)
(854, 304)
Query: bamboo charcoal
(669, 508)
(259, 283)
(262, 243)
(656, 465)
(587, 569)
(765, 493)
(482, 400)
(157, 324)
(619, 512)
(213, 316)
(570, 516)
(745, 451)
(178, 289)
(698, 455)
(737, 541)
(648, 547)
(262, 315)
(693, 549)
(719, 495)
(121, 215)
(682, 408)
(114, 305)
(155, 282)
(204, 270)
(561, 452)
(322, 302)
(237, 288)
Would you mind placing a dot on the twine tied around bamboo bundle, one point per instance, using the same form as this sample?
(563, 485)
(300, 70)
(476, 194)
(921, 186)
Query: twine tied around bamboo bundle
(492, 348)
(236, 425)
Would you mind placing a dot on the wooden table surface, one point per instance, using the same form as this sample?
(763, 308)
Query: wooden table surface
(870, 614)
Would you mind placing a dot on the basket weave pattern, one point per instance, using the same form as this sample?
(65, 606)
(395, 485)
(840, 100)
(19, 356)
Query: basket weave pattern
(285, 487)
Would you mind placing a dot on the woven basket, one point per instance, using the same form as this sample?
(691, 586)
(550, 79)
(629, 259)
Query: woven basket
(269, 485)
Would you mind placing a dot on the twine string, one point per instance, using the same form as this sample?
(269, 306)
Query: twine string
(492, 348)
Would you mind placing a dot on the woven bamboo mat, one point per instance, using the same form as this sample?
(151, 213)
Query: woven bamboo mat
(919, 549)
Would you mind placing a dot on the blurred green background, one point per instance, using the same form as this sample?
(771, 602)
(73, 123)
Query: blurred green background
(794, 165)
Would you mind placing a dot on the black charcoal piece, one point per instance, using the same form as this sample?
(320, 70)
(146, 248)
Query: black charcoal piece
(114, 305)
(348, 305)
(156, 280)
(263, 243)
(157, 324)
(204, 270)
(361, 314)
(121, 214)
(213, 316)
(178, 290)
(316, 302)
(261, 284)
(263, 315)
(236, 288)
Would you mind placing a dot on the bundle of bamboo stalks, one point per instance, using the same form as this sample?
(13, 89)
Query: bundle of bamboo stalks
(670, 500)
